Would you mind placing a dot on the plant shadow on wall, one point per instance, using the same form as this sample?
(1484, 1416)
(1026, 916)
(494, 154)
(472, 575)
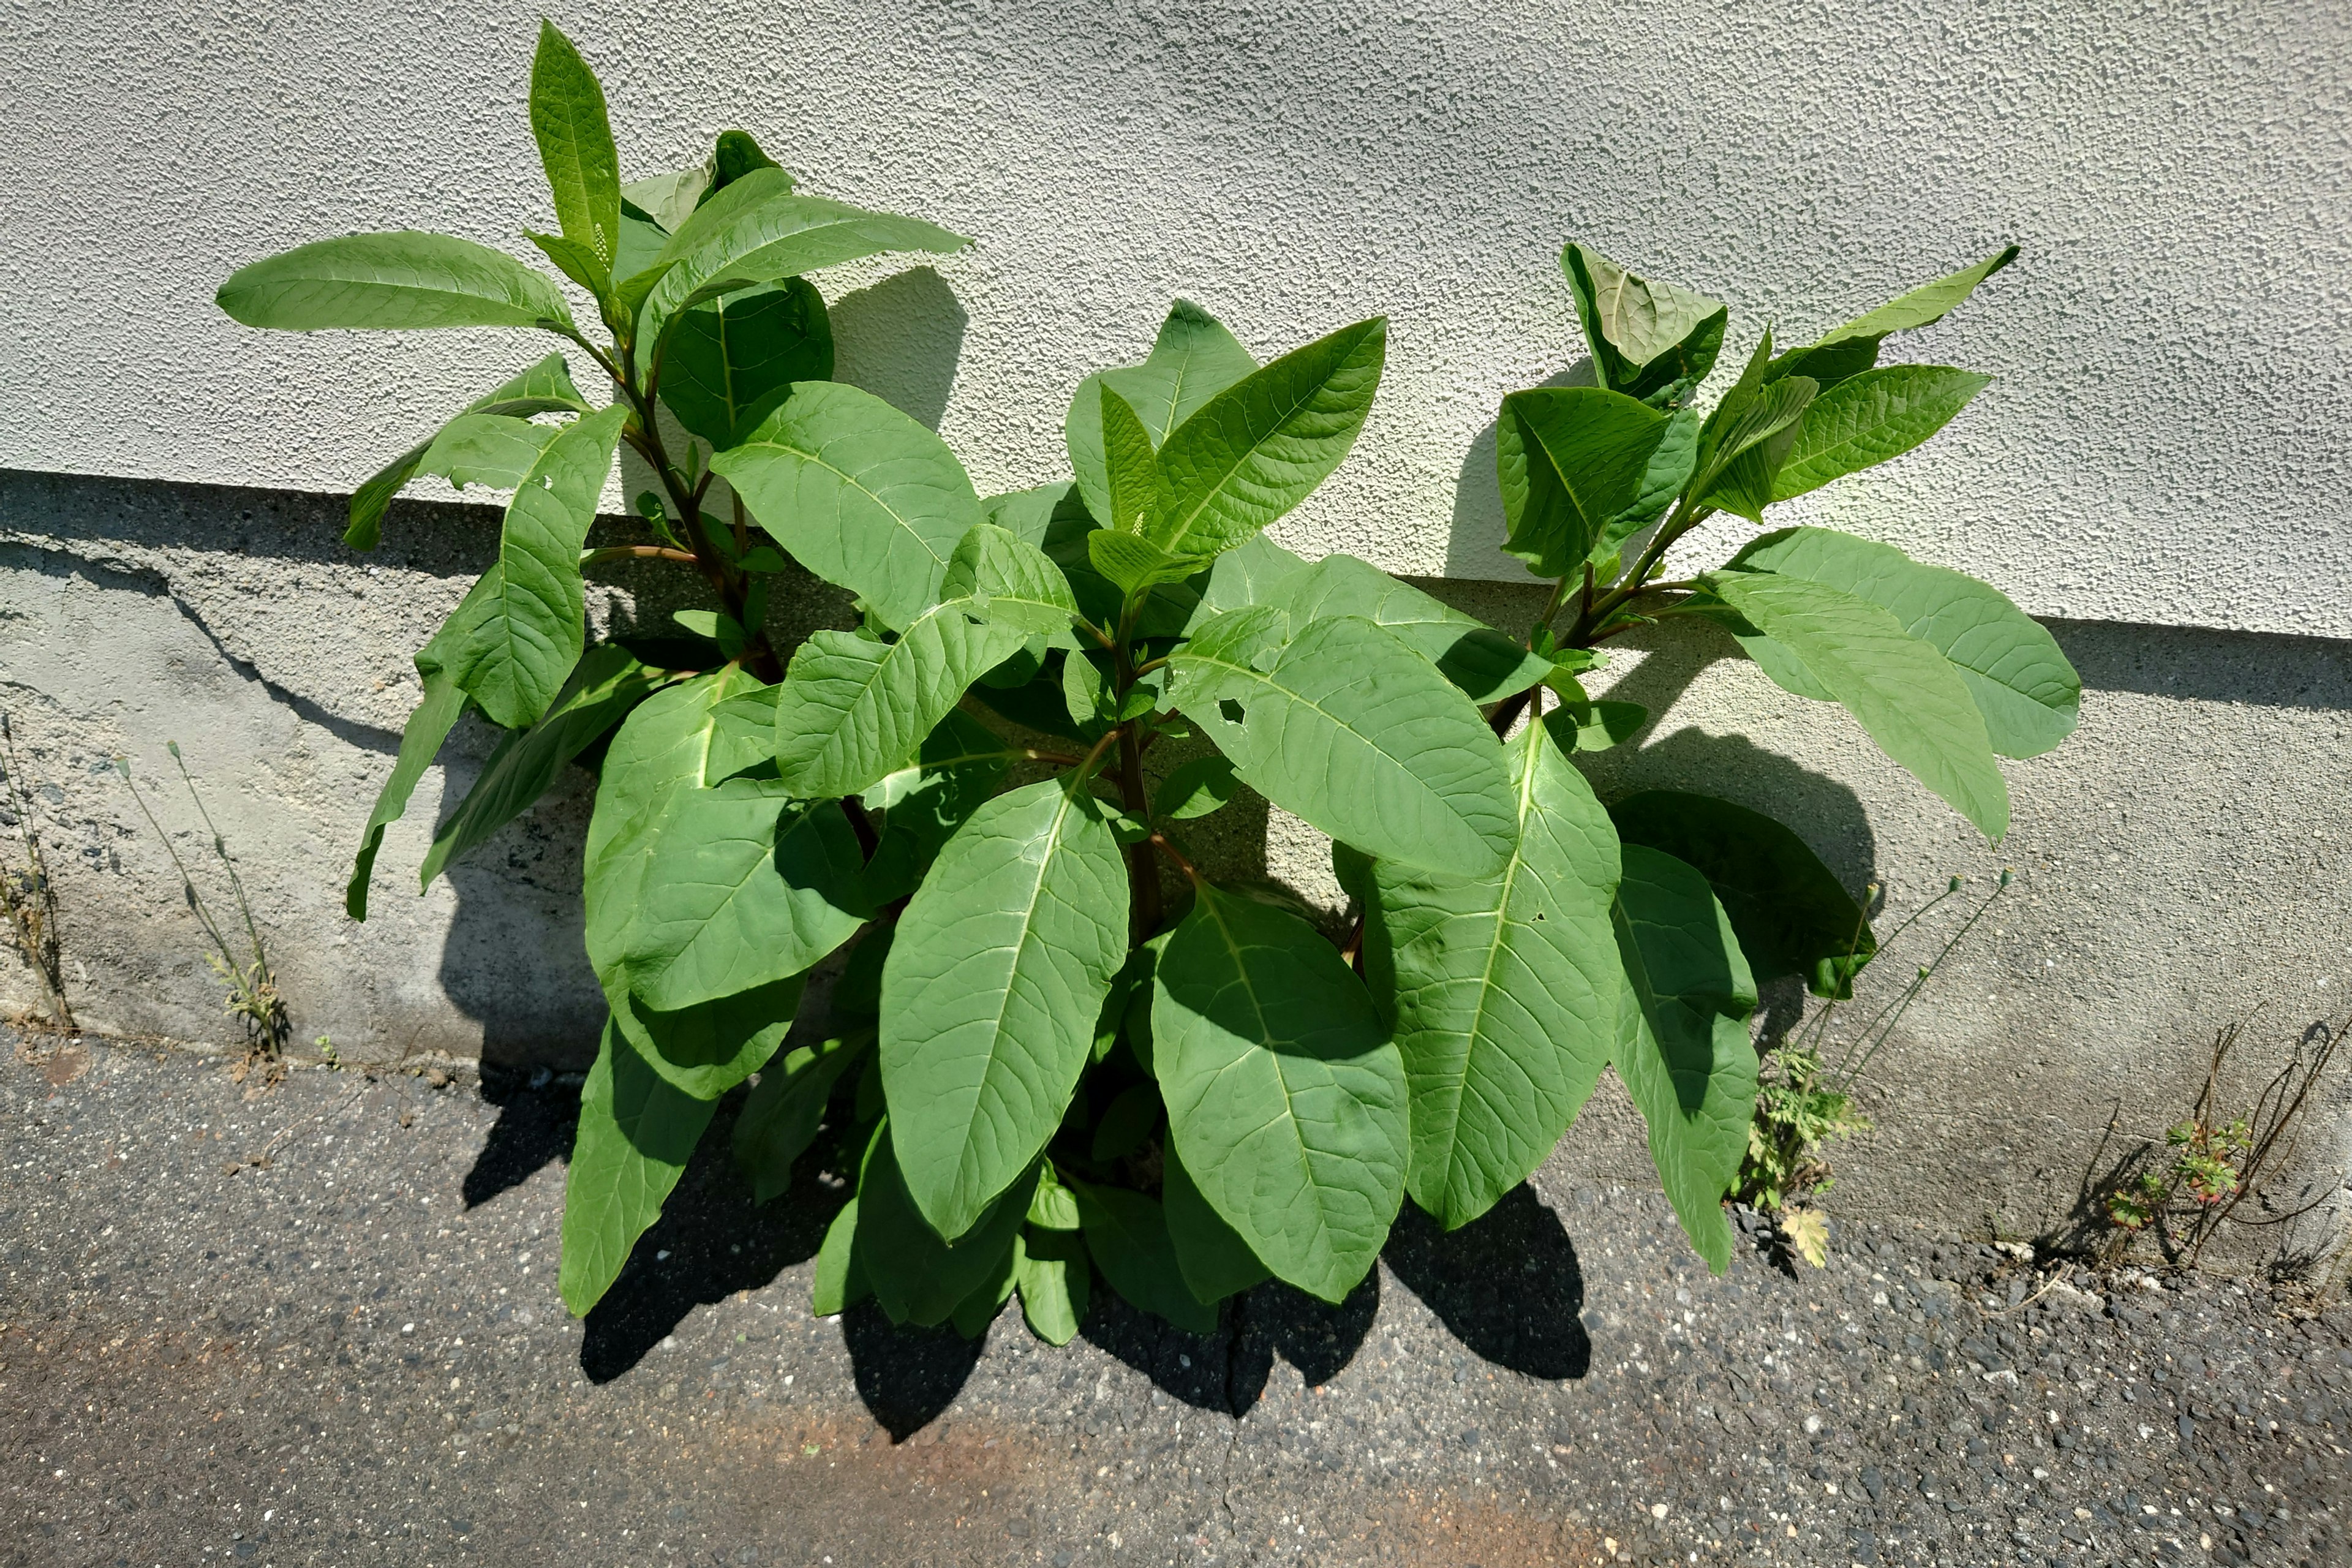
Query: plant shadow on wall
(922, 910)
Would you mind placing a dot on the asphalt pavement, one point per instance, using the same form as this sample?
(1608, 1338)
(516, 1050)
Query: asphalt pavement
(318, 1323)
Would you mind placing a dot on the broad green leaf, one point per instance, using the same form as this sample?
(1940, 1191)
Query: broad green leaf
(1086, 695)
(1126, 1011)
(991, 991)
(1128, 1237)
(2021, 680)
(1249, 573)
(1130, 466)
(420, 742)
(666, 201)
(444, 701)
(1196, 788)
(735, 155)
(517, 655)
(1871, 418)
(402, 281)
(494, 450)
(1131, 564)
(720, 890)
(607, 684)
(1210, 1254)
(1052, 1206)
(1486, 664)
(694, 893)
(706, 1048)
(1012, 582)
(1682, 1038)
(850, 709)
(1927, 303)
(575, 260)
(858, 989)
(975, 1312)
(545, 388)
(1261, 446)
(575, 145)
(1056, 1281)
(1826, 363)
(916, 1276)
(1792, 915)
(636, 1135)
(1349, 727)
(1753, 423)
(1780, 667)
(1286, 1097)
(743, 734)
(1505, 987)
(858, 492)
(781, 1117)
(1904, 693)
(1193, 360)
(1662, 479)
(1031, 515)
(756, 230)
(921, 805)
(1055, 519)
(1570, 460)
(1600, 726)
(1650, 340)
(838, 1284)
(1127, 1123)
(731, 362)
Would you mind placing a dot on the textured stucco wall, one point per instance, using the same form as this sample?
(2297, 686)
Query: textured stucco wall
(2175, 349)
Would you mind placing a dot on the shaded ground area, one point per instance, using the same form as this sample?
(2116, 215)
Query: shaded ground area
(319, 1325)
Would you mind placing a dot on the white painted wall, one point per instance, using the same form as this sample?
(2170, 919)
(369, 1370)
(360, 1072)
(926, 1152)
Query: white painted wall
(2167, 441)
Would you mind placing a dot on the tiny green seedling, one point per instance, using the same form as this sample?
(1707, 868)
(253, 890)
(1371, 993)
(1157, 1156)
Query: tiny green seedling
(252, 986)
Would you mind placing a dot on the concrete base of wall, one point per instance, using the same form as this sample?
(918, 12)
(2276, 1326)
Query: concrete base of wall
(2185, 860)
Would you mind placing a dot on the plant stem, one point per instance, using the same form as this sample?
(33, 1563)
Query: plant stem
(1168, 848)
(685, 494)
(1142, 870)
(635, 553)
(1679, 521)
(220, 848)
(1144, 906)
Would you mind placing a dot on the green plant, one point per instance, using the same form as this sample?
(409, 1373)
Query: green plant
(1797, 1112)
(1802, 1101)
(253, 995)
(2215, 1159)
(29, 895)
(1058, 1042)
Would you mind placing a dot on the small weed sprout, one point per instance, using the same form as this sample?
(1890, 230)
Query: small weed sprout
(1802, 1101)
(2214, 1160)
(28, 894)
(252, 997)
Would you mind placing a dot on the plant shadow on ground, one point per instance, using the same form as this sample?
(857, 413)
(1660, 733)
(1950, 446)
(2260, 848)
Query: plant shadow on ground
(1509, 1286)
(711, 1241)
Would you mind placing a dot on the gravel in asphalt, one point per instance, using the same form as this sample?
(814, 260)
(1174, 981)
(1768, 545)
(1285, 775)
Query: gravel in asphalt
(318, 1325)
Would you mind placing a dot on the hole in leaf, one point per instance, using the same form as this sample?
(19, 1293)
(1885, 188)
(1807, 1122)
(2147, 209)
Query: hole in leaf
(1230, 709)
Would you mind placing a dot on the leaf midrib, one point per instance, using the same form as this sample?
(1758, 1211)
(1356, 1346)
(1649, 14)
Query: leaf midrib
(1052, 841)
(1476, 1032)
(1267, 680)
(1173, 546)
(1289, 1113)
(852, 482)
